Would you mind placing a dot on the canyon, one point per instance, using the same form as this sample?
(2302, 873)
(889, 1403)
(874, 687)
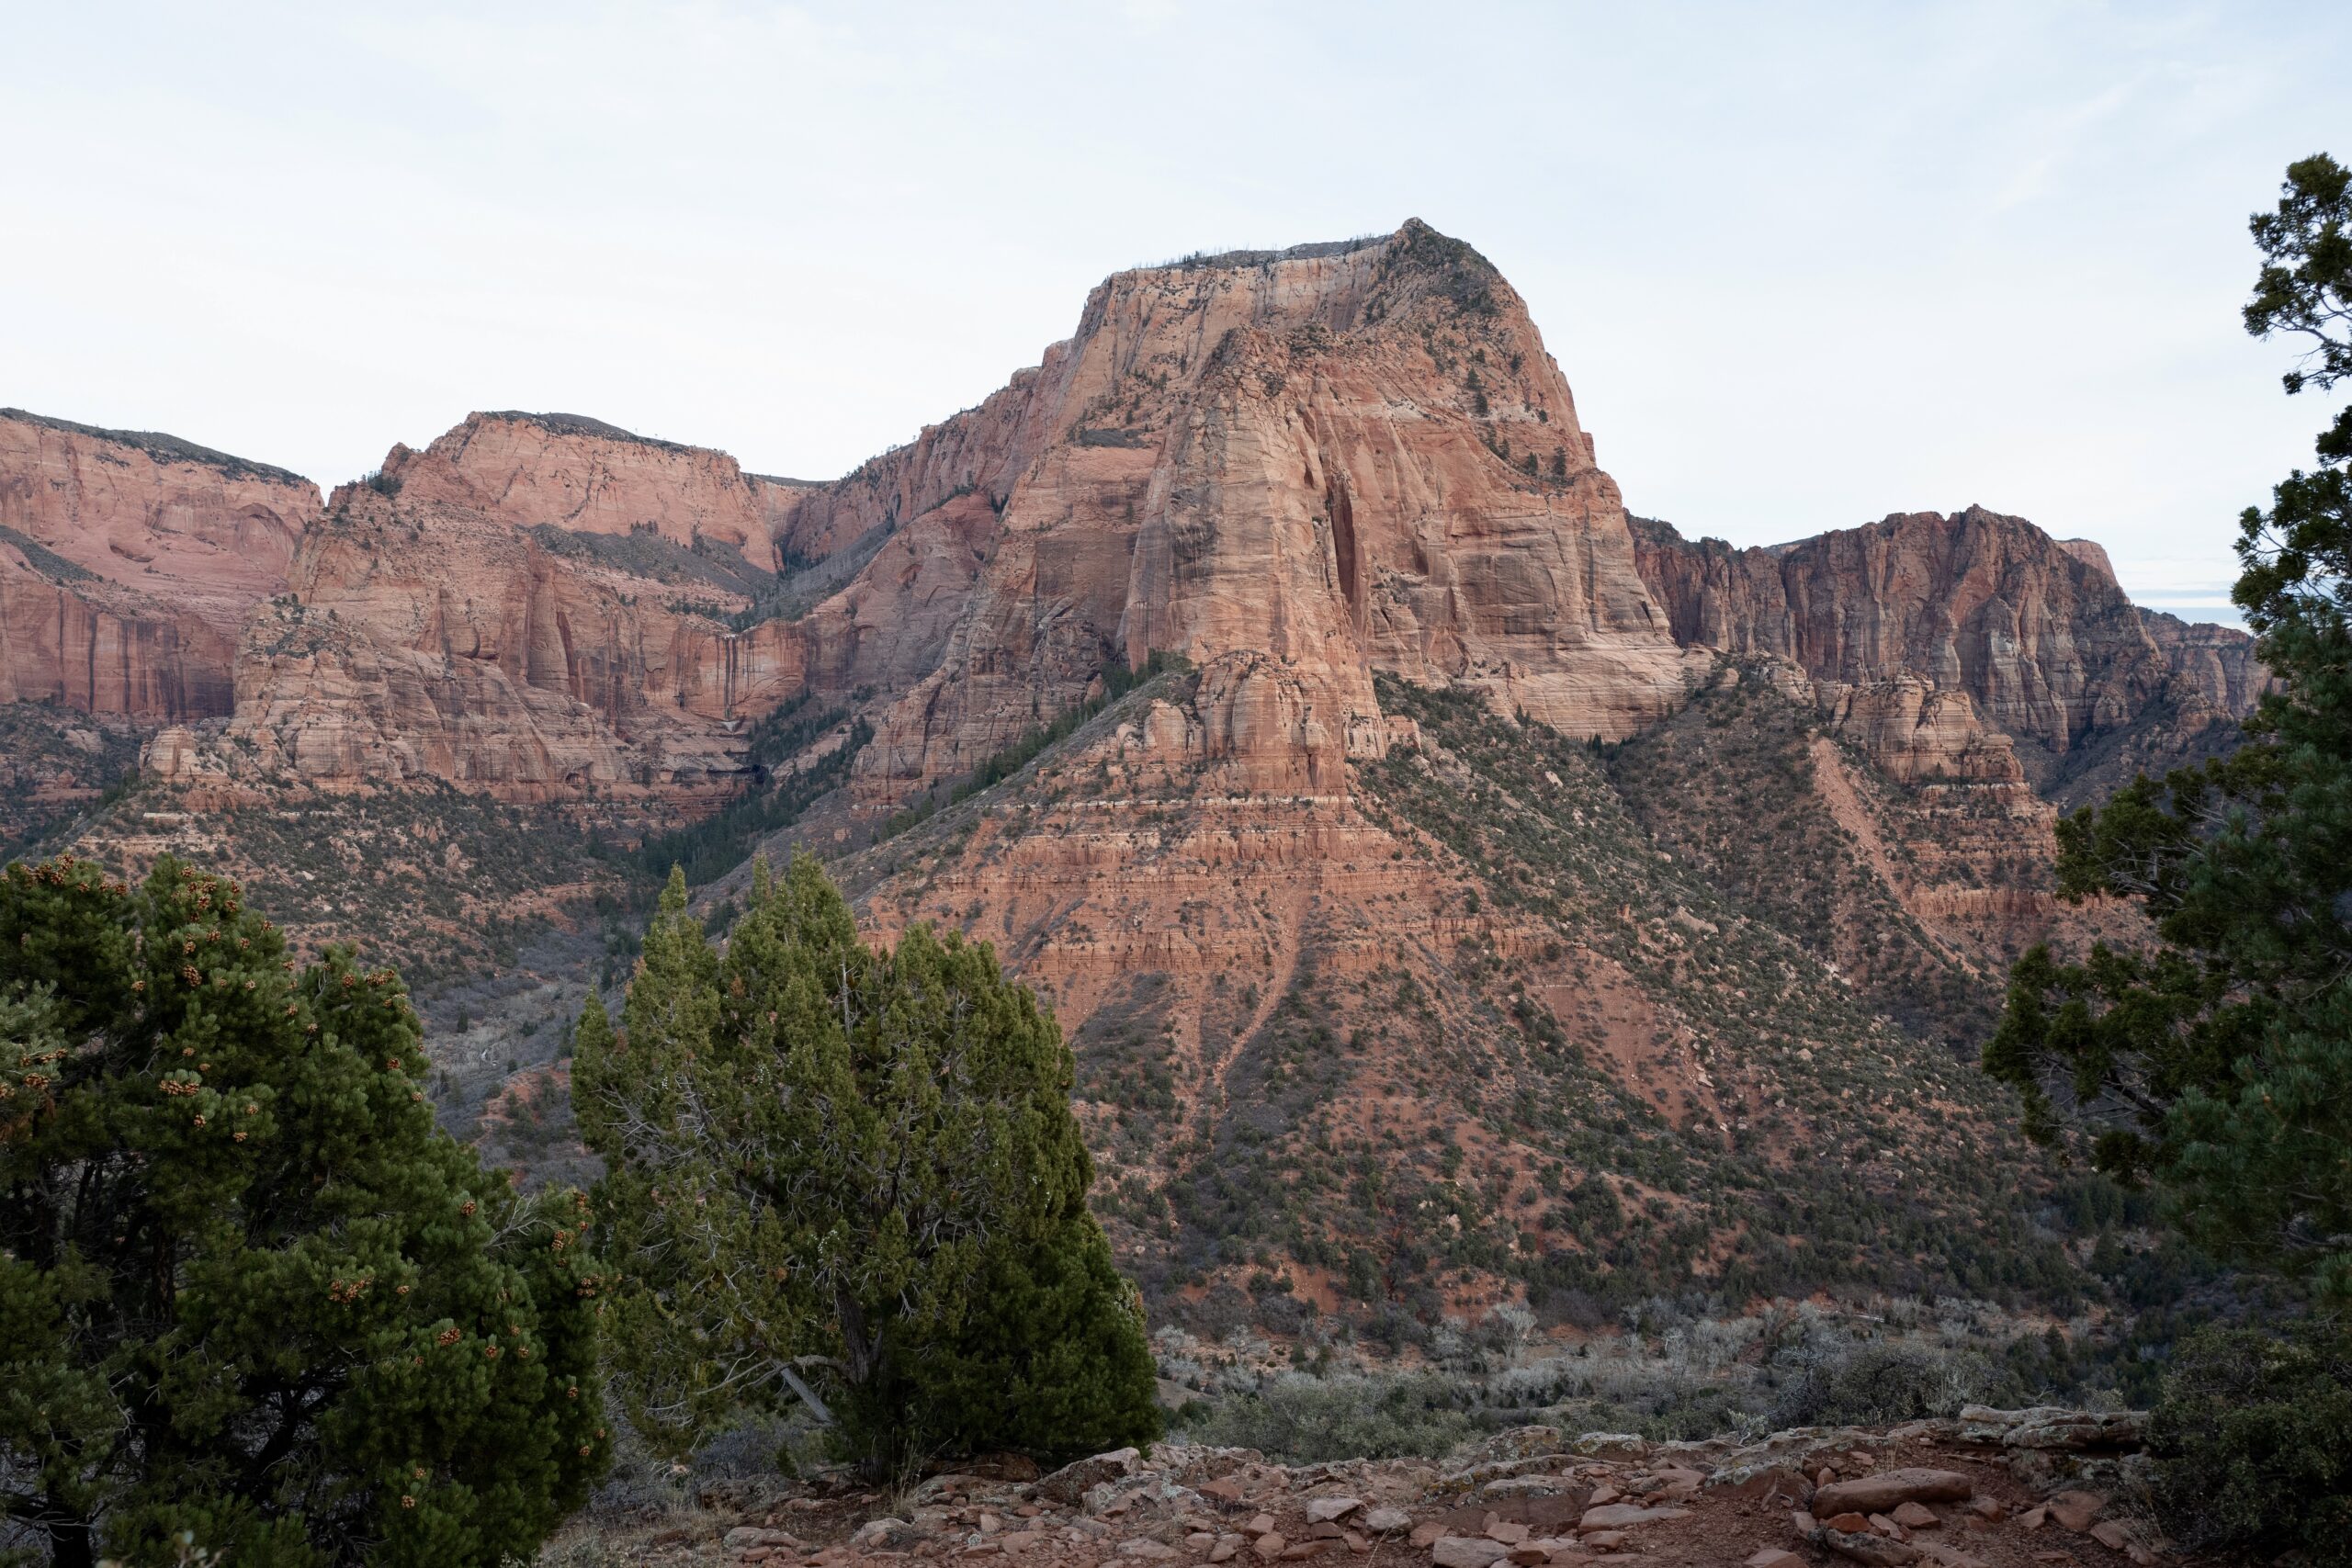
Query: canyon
(1424, 855)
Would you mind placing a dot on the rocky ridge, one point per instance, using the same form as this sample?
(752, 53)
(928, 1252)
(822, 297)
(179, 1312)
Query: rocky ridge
(1988, 1489)
(128, 562)
(537, 607)
(1941, 641)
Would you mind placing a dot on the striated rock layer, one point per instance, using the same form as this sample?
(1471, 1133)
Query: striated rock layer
(579, 473)
(128, 562)
(1290, 469)
(498, 650)
(1999, 627)
(543, 607)
(1304, 466)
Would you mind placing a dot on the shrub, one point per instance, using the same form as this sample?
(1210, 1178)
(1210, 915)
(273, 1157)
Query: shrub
(1874, 1385)
(2252, 1444)
(247, 1291)
(851, 1176)
(1306, 1420)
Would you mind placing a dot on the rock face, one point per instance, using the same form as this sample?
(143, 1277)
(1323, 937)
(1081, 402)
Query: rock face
(1296, 468)
(543, 606)
(128, 562)
(1291, 470)
(2003, 628)
(569, 471)
(532, 606)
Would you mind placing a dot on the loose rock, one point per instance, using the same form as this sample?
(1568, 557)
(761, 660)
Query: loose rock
(1074, 1480)
(1876, 1493)
(2075, 1510)
(1465, 1552)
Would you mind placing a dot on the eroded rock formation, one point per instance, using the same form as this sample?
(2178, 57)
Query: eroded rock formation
(2033, 636)
(505, 652)
(1313, 465)
(128, 562)
(569, 472)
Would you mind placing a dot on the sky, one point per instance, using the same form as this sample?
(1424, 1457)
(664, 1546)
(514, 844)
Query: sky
(1803, 264)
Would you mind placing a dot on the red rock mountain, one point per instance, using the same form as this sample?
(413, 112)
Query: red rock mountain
(1991, 624)
(1293, 470)
(128, 562)
(1347, 885)
(534, 606)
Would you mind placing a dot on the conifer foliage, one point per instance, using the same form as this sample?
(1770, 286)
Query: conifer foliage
(850, 1177)
(2220, 1062)
(249, 1297)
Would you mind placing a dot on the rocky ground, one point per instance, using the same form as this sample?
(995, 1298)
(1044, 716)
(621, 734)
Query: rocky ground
(1990, 1489)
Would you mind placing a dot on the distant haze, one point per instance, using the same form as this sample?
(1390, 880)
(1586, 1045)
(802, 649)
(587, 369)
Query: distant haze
(1802, 264)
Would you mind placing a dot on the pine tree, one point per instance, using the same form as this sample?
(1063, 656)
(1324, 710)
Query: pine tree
(849, 1177)
(2220, 1062)
(248, 1293)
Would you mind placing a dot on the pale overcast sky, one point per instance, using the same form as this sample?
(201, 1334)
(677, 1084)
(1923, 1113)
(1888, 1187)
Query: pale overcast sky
(1804, 264)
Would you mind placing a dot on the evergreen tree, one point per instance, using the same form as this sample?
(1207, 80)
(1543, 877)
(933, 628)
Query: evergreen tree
(850, 1177)
(2220, 1062)
(248, 1293)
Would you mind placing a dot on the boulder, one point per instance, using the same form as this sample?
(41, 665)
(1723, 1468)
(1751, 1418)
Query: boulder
(1867, 1547)
(1526, 1486)
(1073, 1480)
(1467, 1551)
(1623, 1516)
(2073, 1431)
(2118, 1536)
(884, 1534)
(1768, 1483)
(2075, 1510)
(1877, 1494)
(1147, 1549)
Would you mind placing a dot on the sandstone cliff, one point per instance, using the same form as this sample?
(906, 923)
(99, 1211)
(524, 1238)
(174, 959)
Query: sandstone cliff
(129, 560)
(2035, 638)
(545, 607)
(1291, 470)
(442, 629)
(570, 472)
(1303, 466)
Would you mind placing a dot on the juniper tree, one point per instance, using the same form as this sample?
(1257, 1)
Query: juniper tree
(2220, 1062)
(248, 1293)
(849, 1178)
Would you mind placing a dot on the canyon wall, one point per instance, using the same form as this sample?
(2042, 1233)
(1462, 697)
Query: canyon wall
(128, 562)
(2033, 634)
(569, 471)
(534, 606)
(1298, 469)
(1291, 470)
